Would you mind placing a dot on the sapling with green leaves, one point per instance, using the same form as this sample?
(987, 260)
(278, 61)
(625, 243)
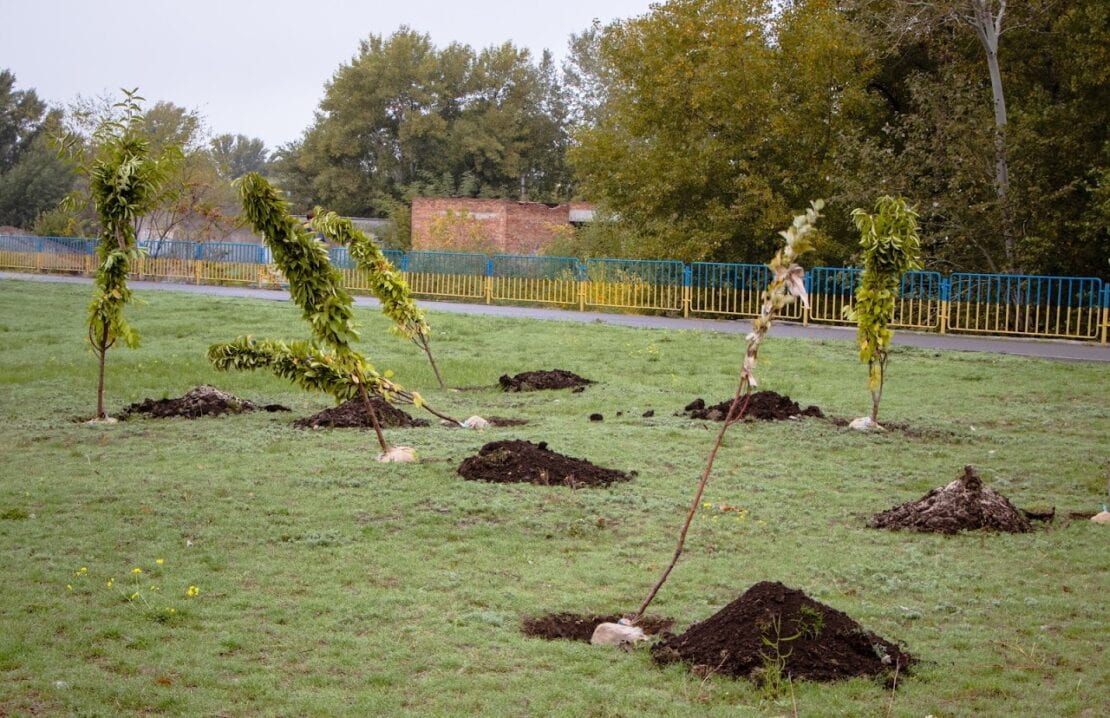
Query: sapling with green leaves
(329, 363)
(386, 283)
(891, 247)
(787, 285)
(125, 183)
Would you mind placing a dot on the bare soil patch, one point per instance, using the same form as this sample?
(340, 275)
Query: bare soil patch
(351, 414)
(541, 380)
(580, 627)
(815, 642)
(204, 400)
(965, 504)
(516, 461)
(763, 406)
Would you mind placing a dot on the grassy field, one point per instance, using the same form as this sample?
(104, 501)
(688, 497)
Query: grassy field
(328, 584)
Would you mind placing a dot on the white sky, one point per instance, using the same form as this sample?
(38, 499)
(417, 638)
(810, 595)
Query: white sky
(253, 67)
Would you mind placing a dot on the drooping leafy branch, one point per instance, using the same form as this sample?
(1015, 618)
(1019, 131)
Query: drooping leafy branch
(891, 247)
(787, 285)
(386, 283)
(125, 183)
(328, 363)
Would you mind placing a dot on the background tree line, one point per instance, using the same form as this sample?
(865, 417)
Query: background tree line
(703, 125)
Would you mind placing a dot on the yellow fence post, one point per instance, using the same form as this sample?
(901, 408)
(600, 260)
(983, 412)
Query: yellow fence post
(1105, 324)
(489, 290)
(198, 270)
(944, 316)
(686, 291)
(38, 261)
(582, 295)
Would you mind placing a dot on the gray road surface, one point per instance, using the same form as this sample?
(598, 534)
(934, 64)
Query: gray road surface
(1042, 348)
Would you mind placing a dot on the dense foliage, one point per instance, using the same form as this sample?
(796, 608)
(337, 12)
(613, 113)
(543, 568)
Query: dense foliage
(33, 178)
(711, 119)
(406, 118)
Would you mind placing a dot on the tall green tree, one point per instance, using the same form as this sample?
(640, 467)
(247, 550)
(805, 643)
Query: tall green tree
(236, 155)
(719, 117)
(404, 117)
(32, 176)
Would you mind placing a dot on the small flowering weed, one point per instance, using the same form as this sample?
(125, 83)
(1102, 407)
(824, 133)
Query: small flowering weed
(141, 591)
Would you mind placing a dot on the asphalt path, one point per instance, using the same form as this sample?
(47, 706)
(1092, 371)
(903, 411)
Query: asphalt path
(1041, 348)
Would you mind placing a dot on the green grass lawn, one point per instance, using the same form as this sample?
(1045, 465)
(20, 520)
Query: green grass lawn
(330, 584)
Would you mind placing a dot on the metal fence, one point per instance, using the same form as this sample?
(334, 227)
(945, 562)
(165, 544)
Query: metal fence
(1005, 304)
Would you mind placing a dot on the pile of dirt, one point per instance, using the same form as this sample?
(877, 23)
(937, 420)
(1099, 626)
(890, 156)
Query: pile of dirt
(515, 461)
(579, 627)
(537, 380)
(351, 414)
(204, 400)
(963, 505)
(762, 406)
(772, 627)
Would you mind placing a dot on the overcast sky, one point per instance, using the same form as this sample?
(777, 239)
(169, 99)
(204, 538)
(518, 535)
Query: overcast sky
(253, 67)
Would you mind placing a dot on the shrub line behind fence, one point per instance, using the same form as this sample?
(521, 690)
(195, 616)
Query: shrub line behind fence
(964, 303)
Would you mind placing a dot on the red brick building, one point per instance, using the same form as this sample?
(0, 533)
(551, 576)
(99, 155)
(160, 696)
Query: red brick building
(493, 226)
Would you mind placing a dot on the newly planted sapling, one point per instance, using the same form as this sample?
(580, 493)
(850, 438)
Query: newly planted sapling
(891, 247)
(328, 363)
(125, 183)
(386, 283)
(787, 285)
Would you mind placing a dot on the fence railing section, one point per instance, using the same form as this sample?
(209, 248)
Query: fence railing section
(1009, 304)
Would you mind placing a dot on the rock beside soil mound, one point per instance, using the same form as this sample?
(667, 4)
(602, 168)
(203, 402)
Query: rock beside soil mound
(539, 380)
(204, 400)
(763, 406)
(351, 414)
(814, 641)
(515, 461)
(965, 504)
(580, 627)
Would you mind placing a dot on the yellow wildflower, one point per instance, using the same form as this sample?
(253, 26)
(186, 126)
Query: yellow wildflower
(159, 561)
(110, 582)
(136, 570)
(69, 587)
(193, 591)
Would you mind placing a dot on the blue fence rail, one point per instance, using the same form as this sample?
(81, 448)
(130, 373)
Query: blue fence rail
(1023, 305)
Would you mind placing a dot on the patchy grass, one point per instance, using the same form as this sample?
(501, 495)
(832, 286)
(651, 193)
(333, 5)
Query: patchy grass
(328, 584)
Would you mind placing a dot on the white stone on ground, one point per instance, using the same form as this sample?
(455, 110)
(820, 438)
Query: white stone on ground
(476, 422)
(401, 454)
(617, 634)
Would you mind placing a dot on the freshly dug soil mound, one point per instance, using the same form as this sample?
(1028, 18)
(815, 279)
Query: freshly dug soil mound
(763, 406)
(537, 380)
(577, 627)
(202, 401)
(352, 414)
(815, 642)
(515, 461)
(963, 505)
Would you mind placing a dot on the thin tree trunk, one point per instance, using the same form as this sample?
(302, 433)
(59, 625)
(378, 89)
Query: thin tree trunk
(102, 355)
(423, 343)
(988, 26)
(373, 415)
(743, 391)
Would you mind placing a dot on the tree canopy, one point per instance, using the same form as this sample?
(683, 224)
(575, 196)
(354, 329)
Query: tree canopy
(404, 117)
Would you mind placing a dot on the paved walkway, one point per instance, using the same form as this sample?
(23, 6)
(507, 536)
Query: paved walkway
(1043, 348)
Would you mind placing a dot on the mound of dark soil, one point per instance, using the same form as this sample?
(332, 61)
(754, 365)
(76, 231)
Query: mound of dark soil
(537, 380)
(202, 401)
(352, 414)
(515, 461)
(577, 627)
(814, 641)
(763, 406)
(963, 505)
